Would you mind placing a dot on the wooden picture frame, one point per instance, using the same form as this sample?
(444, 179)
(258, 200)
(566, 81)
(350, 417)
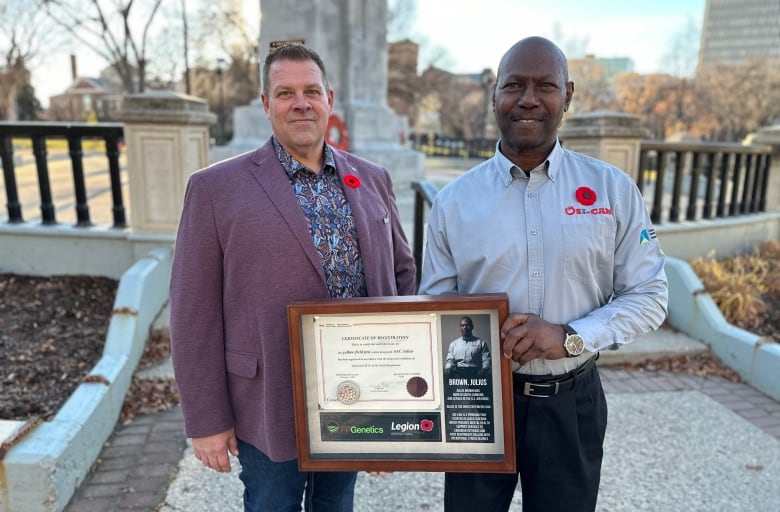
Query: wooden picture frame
(370, 391)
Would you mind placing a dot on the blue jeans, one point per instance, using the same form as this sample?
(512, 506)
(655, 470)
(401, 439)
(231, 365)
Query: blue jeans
(279, 487)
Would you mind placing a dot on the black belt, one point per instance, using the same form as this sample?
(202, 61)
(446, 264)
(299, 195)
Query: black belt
(551, 387)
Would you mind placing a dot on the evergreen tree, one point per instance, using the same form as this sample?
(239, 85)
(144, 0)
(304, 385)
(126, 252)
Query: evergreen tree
(27, 105)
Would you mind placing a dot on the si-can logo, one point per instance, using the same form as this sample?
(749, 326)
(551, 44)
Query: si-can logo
(573, 210)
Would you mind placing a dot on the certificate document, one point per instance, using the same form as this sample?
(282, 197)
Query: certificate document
(414, 383)
(377, 361)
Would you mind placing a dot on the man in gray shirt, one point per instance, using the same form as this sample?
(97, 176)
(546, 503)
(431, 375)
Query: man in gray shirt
(568, 238)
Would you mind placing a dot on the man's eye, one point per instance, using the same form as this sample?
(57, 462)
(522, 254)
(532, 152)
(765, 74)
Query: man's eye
(285, 94)
(313, 92)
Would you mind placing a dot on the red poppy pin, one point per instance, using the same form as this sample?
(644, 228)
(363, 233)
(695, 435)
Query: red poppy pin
(352, 181)
(426, 425)
(586, 196)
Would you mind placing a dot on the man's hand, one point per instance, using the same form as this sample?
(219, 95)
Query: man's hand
(212, 451)
(527, 337)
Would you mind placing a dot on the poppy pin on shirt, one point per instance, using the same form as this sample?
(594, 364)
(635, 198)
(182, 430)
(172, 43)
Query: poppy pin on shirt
(352, 181)
(585, 196)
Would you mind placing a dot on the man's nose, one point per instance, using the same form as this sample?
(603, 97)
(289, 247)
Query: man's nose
(528, 97)
(301, 102)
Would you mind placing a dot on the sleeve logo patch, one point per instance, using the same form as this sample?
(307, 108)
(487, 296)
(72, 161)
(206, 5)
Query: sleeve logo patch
(646, 236)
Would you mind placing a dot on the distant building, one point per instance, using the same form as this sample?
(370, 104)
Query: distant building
(8, 95)
(402, 79)
(737, 30)
(87, 99)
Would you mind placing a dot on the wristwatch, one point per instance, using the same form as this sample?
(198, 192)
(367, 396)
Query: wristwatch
(573, 343)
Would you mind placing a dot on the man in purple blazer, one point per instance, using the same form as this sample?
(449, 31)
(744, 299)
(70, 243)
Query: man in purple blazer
(294, 219)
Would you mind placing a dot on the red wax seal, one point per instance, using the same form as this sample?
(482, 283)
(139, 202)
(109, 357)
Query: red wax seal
(416, 386)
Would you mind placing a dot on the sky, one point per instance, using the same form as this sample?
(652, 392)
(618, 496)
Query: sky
(475, 33)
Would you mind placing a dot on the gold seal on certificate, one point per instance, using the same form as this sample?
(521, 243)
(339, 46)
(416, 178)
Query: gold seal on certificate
(348, 392)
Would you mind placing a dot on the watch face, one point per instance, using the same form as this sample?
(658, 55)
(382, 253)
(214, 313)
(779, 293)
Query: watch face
(574, 344)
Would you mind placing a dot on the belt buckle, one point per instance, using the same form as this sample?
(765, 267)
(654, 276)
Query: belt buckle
(528, 389)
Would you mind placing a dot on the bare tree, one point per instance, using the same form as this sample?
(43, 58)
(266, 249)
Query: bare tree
(401, 15)
(594, 91)
(743, 97)
(682, 52)
(117, 31)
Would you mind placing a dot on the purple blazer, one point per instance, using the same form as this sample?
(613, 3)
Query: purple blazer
(243, 252)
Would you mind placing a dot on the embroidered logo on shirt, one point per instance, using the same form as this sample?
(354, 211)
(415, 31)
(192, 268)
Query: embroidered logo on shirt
(644, 237)
(573, 210)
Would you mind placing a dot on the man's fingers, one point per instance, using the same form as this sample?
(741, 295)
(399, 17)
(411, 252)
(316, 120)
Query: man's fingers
(233, 446)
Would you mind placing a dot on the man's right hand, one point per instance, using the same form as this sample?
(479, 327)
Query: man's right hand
(212, 451)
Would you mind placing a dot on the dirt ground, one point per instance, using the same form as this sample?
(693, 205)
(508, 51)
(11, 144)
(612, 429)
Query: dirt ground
(52, 331)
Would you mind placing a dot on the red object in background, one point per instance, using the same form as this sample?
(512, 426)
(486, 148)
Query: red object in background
(336, 134)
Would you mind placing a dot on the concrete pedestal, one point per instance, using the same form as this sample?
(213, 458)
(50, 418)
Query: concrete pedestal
(167, 140)
(609, 136)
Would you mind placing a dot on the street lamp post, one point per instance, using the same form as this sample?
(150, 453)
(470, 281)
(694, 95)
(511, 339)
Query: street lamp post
(221, 113)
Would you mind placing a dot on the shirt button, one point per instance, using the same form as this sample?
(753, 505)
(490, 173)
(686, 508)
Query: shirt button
(533, 232)
(536, 273)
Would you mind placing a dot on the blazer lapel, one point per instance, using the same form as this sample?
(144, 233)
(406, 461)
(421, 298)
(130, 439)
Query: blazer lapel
(270, 175)
(362, 216)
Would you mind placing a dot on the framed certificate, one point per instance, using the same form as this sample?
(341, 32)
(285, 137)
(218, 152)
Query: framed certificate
(414, 383)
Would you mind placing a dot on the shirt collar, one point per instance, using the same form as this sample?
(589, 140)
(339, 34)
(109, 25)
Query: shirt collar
(291, 166)
(510, 172)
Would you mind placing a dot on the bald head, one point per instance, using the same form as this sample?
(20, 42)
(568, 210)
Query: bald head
(538, 45)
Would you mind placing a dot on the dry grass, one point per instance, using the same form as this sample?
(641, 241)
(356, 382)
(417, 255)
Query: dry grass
(745, 288)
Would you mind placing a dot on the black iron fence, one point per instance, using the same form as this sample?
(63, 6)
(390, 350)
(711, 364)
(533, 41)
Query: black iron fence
(74, 133)
(437, 145)
(695, 181)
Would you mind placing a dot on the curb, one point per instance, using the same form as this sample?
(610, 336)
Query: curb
(693, 311)
(46, 466)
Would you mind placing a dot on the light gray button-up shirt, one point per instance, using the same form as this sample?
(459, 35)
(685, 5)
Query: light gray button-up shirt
(572, 243)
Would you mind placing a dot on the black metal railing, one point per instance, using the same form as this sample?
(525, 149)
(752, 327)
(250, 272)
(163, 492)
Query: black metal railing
(424, 194)
(694, 181)
(439, 146)
(74, 133)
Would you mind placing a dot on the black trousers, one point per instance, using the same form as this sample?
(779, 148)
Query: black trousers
(559, 443)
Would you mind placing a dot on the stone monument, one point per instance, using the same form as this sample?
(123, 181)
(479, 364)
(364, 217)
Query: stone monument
(351, 38)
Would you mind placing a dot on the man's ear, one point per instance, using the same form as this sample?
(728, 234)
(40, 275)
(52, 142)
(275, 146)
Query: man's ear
(569, 94)
(266, 107)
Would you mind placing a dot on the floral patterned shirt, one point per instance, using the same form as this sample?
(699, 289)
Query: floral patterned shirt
(331, 223)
